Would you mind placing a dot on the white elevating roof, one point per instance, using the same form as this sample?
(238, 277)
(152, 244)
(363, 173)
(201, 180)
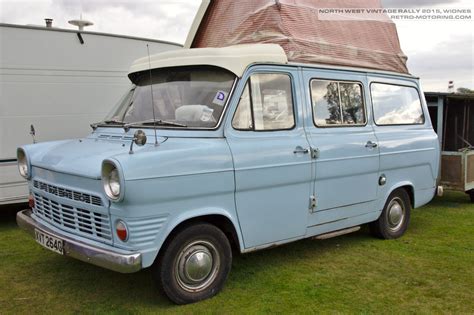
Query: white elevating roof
(233, 58)
(197, 21)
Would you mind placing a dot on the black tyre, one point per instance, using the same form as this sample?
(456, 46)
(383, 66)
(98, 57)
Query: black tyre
(194, 264)
(471, 195)
(395, 217)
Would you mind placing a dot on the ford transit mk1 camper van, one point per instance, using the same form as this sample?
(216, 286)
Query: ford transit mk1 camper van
(215, 149)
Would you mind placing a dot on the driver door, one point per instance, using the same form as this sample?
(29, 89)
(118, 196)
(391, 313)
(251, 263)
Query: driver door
(273, 176)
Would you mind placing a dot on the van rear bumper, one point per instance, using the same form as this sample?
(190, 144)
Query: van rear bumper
(124, 262)
(439, 191)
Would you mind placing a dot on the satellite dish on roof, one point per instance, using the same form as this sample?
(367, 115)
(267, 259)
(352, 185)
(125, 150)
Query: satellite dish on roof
(81, 23)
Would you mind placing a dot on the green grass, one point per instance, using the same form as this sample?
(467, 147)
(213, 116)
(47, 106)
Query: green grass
(429, 270)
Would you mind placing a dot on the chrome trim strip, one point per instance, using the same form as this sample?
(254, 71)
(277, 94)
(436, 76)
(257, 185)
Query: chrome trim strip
(120, 261)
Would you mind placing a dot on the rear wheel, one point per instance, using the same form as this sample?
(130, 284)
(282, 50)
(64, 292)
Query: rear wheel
(471, 195)
(195, 264)
(395, 216)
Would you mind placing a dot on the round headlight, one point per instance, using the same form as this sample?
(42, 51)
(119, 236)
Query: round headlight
(23, 167)
(114, 183)
(111, 181)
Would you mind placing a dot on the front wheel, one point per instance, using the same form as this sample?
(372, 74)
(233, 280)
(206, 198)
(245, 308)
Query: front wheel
(471, 194)
(393, 222)
(194, 264)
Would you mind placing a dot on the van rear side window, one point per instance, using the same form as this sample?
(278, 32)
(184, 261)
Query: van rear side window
(396, 105)
(337, 103)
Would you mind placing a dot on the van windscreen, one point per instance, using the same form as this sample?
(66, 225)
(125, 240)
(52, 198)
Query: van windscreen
(192, 97)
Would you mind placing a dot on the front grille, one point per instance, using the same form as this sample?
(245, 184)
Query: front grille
(67, 193)
(76, 220)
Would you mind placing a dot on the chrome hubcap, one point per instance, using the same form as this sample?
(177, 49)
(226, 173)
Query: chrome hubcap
(396, 214)
(197, 266)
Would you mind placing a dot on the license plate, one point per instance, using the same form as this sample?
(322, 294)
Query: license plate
(49, 242)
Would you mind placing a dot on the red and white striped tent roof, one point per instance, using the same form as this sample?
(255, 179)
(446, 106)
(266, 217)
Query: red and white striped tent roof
(302, 30)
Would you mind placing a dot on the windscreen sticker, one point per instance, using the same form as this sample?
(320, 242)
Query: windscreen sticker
(220, 98)
(206, 114)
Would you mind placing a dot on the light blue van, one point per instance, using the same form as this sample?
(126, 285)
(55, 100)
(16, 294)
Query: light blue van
(216, 150)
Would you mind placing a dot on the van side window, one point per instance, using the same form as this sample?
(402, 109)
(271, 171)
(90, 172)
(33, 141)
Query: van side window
(396, 104)
(337, 103)
(266, 104)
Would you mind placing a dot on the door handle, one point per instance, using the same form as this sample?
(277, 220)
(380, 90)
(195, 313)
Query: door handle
(300, 149)
(371, 144)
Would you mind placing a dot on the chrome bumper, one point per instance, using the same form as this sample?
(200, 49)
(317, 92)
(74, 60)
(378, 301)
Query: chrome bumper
(439, 191)
(113, 260)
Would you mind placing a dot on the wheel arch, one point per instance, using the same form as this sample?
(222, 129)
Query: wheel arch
(407, 186)
(390, 225)
(219, 218)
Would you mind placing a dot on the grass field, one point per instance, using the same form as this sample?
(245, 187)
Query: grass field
(429, 270)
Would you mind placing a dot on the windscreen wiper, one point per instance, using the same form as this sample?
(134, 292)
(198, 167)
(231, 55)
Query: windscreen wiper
(107, 122)
(158, 122)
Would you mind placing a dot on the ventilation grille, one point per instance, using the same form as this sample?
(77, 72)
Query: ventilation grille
(67, 193)
(78, 221)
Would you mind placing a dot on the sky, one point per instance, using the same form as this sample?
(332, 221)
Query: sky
(438, 51)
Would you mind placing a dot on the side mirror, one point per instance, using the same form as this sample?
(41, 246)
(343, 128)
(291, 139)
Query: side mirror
(139, 138)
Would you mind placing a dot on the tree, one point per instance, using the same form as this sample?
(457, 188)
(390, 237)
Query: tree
(332, 98)
(463, 90)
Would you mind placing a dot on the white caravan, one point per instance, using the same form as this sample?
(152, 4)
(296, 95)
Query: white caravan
(59, 81)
